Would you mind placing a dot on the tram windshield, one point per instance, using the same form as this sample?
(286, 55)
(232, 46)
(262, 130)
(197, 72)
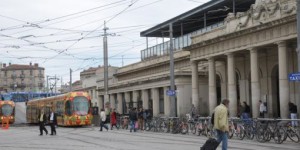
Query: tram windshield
(81, 105)
(7, 110)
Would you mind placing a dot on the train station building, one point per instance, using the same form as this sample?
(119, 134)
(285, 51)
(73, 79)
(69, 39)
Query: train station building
(242, 50)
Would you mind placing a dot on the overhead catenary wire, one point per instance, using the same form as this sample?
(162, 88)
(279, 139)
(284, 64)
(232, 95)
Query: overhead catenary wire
(57, 18)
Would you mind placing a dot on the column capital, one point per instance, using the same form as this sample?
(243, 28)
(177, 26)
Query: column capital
(252, 49)
(194, 61)
(281, 43)
(230, 54)
(210, 58)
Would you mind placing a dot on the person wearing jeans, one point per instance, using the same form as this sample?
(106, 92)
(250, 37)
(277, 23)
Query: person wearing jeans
(293, 111)
(222, 137)
(221, 123)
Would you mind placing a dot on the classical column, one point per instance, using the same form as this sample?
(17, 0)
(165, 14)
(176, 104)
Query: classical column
(255, 82)
(232, 94)
(195, 86)
(145, 97)
(112, 101)
(155, 97)
(212, 89)
(120, 103)
(135, 98)
(166, 102)
(284, 89)
(127, 100)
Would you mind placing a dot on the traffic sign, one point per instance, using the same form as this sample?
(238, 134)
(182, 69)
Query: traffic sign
(294, 76)
(171, 92)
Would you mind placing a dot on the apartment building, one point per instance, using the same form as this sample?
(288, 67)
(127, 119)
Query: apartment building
(22, 78)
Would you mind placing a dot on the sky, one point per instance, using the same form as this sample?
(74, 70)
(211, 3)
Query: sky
(61, 35)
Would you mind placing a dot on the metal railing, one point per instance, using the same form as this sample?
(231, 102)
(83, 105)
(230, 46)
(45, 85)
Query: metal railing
(179, 43)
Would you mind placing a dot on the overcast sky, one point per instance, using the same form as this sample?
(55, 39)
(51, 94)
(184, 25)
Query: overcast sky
(64, 34)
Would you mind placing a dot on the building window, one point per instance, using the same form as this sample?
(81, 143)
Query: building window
(31, 72)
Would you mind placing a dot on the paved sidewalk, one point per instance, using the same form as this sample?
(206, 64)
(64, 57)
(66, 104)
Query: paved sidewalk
(26, 138)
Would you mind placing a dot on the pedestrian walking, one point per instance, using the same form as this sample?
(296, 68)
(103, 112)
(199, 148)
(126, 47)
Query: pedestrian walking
(53, 122)
(293, 113)
(221, 123)
(133, 119)
(42, 121)
(103, 120)
(113, 119)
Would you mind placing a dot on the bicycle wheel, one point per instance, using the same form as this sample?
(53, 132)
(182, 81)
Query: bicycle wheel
(231, 132)
(293, 136)
(184, 128)
(248, 132)
(193, 128)
(147, 126)
(164, 127)
(240, 132)
(279, 135)
(260, 135)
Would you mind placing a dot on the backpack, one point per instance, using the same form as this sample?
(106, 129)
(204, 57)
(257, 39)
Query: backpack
(210, 144)
(212, 119)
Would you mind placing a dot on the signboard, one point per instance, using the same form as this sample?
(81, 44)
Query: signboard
(171, 92)
(294, 76)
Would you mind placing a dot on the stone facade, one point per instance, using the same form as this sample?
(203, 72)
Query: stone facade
(93, 78)
(256, 51)
(246, 58)
(22, 78)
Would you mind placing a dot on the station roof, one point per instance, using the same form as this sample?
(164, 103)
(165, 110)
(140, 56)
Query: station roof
(193, 20)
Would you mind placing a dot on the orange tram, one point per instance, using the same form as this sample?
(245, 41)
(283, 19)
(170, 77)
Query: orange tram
(7, 111)
(72, 109)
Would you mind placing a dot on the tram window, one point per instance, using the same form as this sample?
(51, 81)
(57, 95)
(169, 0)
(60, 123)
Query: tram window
(7, 110)
(68, 108)
(59, 108)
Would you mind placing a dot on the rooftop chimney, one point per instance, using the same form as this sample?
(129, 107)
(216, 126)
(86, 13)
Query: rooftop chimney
(36, 64)
(4, 65)
(30, 64)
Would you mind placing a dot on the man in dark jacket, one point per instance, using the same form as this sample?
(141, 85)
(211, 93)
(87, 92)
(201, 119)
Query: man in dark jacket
(53, 121)
(42, 121)
(133, 119)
